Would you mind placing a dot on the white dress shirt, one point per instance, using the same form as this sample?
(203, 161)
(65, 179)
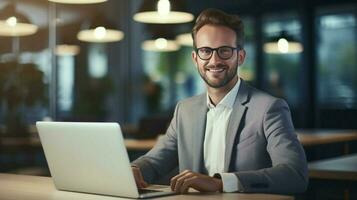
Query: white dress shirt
(215, 138)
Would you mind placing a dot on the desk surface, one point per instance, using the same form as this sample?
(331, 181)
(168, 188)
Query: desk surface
(340, 168)
(306, 137)
(318, 137)
(137, 145)
(42, 188)
(18, 142)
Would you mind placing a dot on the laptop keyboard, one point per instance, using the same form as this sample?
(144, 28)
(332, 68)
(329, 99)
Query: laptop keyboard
(145, 191)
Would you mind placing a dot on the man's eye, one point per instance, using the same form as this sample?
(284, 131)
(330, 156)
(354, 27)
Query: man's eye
(225, 51)
(205, 51)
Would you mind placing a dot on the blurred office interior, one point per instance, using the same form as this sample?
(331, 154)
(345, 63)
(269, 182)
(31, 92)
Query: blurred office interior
(95, 63)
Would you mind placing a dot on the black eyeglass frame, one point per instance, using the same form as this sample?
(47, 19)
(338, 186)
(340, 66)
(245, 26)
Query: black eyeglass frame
(238, 48)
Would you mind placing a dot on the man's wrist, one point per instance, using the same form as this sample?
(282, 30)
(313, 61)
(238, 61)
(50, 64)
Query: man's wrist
(230, 182)
(219, 181)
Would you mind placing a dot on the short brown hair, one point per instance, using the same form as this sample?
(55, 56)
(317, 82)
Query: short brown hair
(218, 17)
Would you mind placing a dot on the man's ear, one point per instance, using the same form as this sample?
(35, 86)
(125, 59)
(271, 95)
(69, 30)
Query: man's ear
(194, 57)
(241, 56)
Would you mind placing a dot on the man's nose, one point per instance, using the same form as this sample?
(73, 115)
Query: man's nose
(215, 58)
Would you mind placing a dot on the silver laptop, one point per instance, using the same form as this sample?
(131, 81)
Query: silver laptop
(91, 158)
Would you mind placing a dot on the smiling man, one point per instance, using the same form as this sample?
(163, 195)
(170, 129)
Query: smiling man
(234, 138)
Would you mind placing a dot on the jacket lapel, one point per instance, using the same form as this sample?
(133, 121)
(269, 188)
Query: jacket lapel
(235, 121)
(199, 126)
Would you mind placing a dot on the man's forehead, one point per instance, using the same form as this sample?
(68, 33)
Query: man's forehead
(215, 26)
(209, 35)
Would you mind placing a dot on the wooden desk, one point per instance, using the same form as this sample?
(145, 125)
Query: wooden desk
(318, 137)
(139, 145)
(311, 139)
(16, 143)
(335, 176)
(341, 168)
(30, 148)
(306, 137)
(42, 188)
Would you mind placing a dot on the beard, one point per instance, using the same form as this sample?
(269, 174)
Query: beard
(228, 75)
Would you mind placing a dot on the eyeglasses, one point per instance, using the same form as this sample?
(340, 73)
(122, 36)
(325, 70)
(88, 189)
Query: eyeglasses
(224, 52)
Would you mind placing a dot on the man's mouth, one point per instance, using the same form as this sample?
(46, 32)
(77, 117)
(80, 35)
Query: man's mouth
(215, 70)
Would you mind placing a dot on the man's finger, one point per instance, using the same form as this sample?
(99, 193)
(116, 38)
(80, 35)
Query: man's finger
(174, 179)
(137, 181)
(181, 180)
(173, 182)
(142, 181)
(138, 178)
(189, 182)
(178, 184)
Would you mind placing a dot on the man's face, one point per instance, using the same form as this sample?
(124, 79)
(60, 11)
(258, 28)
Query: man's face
(217, 72)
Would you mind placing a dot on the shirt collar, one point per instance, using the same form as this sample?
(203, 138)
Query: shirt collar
(228, 100)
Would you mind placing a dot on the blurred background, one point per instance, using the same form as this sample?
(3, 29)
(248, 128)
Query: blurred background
(129, 61)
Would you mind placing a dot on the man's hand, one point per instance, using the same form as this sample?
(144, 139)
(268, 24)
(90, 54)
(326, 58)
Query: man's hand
(203, 183)
(139, 180)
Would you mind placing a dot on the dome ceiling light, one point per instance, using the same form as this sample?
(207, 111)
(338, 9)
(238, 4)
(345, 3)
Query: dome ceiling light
(164, 13)
(185, 39)
(100, 34)
(160, 45)
(15, 24)
(78, 1)
(67, 50)
(283, 44)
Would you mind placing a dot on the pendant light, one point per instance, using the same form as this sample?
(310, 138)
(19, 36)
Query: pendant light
(162, 12)
(99, 30)
(14, 23)
(160, 45)
(162, 38)
(78, 1)
(283, 44)
(100, 34)
(185, 39)
(67, 50)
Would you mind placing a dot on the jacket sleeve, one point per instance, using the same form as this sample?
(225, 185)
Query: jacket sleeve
(288, 174)
(163, 157)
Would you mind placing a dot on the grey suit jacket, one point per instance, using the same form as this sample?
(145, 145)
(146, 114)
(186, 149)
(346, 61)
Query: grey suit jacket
(262, 148)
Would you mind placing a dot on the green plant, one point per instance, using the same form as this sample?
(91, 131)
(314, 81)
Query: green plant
(21, 85)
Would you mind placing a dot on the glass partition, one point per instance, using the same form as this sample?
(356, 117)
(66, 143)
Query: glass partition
(282, 65)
